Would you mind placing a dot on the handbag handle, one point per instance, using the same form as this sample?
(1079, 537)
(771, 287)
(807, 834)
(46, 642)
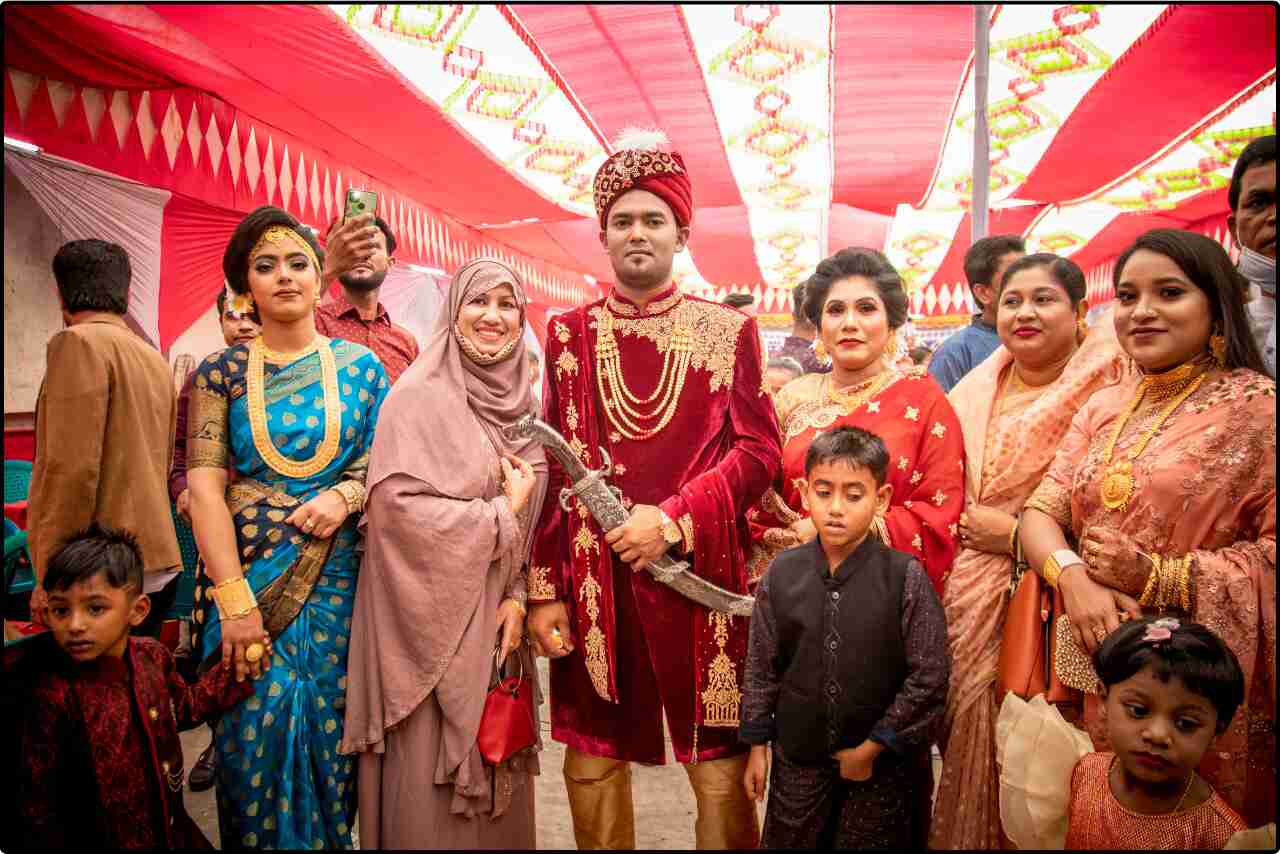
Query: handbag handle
(497, 670)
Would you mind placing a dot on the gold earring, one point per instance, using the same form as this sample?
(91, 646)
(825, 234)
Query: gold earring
(820, 350)
(891, 347)
(1082, 329)
(1218, 346)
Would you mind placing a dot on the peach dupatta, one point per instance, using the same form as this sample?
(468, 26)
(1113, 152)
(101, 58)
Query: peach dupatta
(1009, 444)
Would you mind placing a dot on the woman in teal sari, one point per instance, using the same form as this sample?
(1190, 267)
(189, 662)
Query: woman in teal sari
(292, 416)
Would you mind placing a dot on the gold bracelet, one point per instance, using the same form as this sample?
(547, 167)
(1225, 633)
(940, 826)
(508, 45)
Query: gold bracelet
(1013, 537)
(518, 604)
(1168, 583)
(1184, 584)
(1148, 592)
(1051, 571)
(234, 598)
(353, 492)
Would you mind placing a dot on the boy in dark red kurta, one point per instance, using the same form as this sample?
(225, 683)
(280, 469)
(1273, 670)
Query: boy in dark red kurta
(102, 763)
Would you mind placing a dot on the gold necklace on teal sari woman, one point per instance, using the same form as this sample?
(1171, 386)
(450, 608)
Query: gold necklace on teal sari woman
(292, 415)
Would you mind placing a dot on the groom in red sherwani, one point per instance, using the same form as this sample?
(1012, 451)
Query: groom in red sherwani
(671, 387)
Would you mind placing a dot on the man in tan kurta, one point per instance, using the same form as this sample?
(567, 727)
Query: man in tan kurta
(104, 425)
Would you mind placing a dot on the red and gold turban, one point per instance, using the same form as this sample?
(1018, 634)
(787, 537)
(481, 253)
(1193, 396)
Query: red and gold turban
(638, 164)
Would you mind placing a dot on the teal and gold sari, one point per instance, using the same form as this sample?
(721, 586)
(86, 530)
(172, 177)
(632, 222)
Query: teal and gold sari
(289, 432)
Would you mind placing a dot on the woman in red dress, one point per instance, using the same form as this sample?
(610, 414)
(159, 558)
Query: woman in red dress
(857, 301)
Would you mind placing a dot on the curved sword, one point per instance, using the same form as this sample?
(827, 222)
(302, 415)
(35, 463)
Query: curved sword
(605, 503)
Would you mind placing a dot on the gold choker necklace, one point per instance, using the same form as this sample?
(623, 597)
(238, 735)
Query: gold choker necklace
(479, 358)
(851, 397)
(1163, 386)
(276, 357)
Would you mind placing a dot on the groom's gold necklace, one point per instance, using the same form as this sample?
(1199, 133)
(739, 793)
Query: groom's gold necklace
(618, 399)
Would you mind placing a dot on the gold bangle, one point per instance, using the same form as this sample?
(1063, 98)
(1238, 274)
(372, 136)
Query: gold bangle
(234, 598)
(1051, 571)
(1013, 538)
(1168, 583)
(353, 493)
(519, 605)
(1184, 584)
(1148, 592)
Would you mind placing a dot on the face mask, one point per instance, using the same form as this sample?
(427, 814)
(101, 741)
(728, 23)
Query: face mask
(1258, 269)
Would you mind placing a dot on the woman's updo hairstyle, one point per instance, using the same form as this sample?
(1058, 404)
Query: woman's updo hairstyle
(856, 261)
(235, 260)
(1063, 271)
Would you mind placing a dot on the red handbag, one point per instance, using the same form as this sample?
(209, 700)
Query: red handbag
(507, 724)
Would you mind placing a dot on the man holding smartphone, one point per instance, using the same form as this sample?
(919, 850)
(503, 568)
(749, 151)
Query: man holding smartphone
(359, 252)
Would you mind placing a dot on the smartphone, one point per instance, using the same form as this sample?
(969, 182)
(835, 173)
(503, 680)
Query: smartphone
(360, 202)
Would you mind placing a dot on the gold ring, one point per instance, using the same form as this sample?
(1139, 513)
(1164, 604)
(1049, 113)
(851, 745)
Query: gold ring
(1099, 633)
(253, 652)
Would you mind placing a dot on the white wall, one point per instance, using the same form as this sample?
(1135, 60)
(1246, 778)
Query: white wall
(201, 338)
(31, 312)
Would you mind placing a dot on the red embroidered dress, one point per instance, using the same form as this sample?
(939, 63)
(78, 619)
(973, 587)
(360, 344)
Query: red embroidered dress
(642, 648)
(911, 414)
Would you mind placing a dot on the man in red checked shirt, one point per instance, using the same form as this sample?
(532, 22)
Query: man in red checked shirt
(358, 253)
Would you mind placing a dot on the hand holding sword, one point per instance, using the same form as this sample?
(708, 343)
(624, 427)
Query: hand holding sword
(636, 536)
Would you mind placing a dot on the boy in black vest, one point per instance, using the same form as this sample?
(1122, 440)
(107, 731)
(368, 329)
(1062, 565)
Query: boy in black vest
(847, 669)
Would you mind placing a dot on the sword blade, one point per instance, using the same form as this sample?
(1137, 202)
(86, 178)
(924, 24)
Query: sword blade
(593, 491)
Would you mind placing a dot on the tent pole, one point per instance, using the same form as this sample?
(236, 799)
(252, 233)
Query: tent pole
(981, 138)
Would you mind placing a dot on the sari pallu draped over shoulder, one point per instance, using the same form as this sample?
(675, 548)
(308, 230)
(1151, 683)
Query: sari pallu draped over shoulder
(435, 523)
(1009, 444)
(282, 783)
(1205, 487)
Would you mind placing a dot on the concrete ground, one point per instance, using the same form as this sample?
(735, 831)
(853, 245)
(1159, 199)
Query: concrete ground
(664, 804)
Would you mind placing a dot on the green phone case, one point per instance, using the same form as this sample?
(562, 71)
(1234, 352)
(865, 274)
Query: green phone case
(360, 202)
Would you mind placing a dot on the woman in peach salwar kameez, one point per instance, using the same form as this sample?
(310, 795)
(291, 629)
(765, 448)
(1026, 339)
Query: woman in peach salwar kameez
(1014, 408)
(1187, 522)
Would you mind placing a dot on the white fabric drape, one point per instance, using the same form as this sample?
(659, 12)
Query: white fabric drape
(84, 203)
(412, 298)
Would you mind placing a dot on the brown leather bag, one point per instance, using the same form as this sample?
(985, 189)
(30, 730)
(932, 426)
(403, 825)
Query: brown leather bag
(1024, 648)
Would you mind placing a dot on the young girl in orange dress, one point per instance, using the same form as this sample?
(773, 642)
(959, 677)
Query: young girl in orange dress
(1169, 689)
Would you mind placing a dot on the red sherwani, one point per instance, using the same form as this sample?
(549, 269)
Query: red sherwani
(642, 648)
(102, 762)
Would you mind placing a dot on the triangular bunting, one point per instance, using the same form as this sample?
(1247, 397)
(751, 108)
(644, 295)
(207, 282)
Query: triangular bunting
(270, 172)
(233, 153)
(147, 130)
(286, 179)
(213, 142)
(60, 96)
(95, 105)
(194, 137)
(24, 87)
(171, 132)
(252, 165)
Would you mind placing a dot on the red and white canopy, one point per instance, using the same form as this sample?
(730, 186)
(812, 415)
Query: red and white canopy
(806, 128)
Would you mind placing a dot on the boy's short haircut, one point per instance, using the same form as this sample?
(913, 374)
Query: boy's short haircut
(853, 445)
(96, 550)
(1193, 653)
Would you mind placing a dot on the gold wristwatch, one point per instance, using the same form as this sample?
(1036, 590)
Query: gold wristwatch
(670, 530)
